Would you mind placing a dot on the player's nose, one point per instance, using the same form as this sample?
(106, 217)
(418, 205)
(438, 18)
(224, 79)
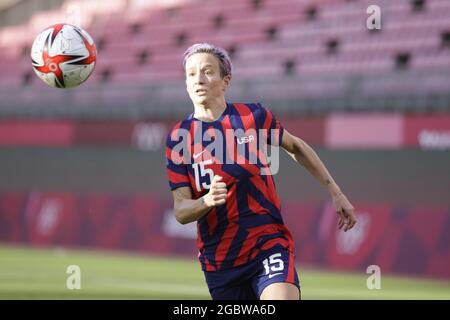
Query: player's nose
(199, 78)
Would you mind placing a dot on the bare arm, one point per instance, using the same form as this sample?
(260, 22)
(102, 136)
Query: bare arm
(188, 210)
(302, 153)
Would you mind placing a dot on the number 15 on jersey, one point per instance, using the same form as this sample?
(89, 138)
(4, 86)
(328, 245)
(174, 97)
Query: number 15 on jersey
(200, 172)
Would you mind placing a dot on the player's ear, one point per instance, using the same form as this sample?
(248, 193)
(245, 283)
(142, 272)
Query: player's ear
(226, 82)
(187, 86)
(186, 80)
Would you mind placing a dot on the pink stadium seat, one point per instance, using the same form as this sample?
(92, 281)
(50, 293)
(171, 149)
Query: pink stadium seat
(427, 62)
(251, 72)
(164, 33)
(10, 79)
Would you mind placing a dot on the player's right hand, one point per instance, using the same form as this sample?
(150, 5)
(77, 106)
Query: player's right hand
(217, 194)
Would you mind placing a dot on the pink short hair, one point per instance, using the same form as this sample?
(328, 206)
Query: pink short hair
(220, 53)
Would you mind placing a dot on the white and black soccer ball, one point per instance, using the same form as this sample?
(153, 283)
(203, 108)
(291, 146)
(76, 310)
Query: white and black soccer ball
(63, 56)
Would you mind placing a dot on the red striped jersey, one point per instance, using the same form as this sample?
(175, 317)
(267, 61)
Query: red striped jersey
(235, 147)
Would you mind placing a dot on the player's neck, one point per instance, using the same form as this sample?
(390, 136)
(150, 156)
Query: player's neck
(209, 112)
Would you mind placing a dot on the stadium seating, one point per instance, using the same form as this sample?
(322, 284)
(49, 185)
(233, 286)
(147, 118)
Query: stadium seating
(276, 39)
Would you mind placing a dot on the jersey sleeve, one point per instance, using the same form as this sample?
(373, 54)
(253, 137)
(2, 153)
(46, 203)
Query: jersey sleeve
(272, 126)
(176, 169)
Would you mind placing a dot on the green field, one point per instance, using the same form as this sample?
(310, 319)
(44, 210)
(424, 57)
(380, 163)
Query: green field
(41, 274)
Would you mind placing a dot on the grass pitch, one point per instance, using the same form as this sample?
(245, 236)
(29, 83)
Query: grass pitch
(27, 273)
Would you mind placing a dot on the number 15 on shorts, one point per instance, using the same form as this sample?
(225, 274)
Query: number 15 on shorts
(273, 264)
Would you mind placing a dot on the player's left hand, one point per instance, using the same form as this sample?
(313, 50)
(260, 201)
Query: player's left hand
(345, 210)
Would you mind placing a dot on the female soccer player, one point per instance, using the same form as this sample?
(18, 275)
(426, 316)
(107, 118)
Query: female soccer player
(219, 174)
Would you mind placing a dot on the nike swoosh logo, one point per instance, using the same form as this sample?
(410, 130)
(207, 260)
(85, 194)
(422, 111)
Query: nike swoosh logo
(275, 274)
(195, 156)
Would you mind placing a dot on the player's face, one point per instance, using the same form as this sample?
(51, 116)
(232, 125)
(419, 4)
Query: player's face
(203, 81)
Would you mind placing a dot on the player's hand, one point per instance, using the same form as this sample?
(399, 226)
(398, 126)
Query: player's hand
(345, 210)
(217, 194)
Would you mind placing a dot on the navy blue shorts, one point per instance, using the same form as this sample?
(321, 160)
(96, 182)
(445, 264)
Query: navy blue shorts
(248, 281)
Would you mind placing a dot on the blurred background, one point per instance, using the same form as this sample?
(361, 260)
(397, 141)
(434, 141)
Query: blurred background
(82, 171)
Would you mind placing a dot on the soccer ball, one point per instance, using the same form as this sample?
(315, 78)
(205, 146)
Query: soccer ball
(63, 56)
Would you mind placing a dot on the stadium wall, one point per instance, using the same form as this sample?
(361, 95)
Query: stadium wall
(334, 131)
